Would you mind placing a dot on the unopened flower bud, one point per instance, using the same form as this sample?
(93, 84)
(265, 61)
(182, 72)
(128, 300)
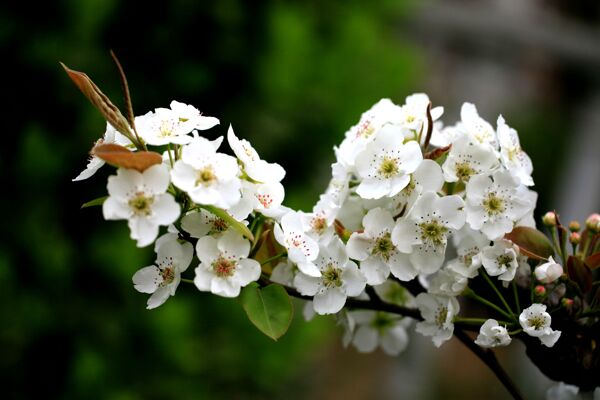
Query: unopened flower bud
(540, 290)
(566, 302)
(549, 219)
(549, 271)
(575, 238)
(574, 226)
(593, 223)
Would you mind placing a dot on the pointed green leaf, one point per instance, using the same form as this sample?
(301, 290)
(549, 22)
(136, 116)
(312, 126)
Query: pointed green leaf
(96, 202)
(269, 309)
(235, 224)
(531, 242)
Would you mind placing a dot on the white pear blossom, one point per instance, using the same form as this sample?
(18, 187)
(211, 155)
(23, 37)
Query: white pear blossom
(501, 259)
(476, 127)
(172, 125)
(301, 248)
(447, 282)
(386, 164)
(379, 329)
(266, 198)
(516, 161)
(495, 204)
(208, 177)
(383, 113)
(201, 223)
(111, 136)
(224, 267)
(438, 313)
(427, 177)
(469, 244)
(141, 198)
(535, 322)
(318, 224)
(374, 248)
(414, 115)
(422, 234)
(549, 271)
(339, 278)
(491, 334)
(468, 158)
(257, 169)
(163, 278)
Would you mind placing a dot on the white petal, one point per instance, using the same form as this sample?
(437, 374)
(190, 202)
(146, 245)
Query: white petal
(377, 220)
(114, 208)
(125, 182)
(203, 278)
(143, 230)
(147, 279)
(207, 250)
(156, 179)
(371, 188)
(374, 270)
(358, 246)
(225, 287)
(394, 341)
(233, 244)
(365, 339)
(329, 302)
(204, 123)
(306, 285)
(247, 271)
(402, 268)
(93, 165)
(158, 298)
(165, 209)
(354, 281)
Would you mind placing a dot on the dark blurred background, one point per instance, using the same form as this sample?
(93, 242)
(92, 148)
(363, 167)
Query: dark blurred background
(291, 77)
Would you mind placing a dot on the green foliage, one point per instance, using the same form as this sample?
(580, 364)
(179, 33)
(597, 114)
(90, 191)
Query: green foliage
(269, 309)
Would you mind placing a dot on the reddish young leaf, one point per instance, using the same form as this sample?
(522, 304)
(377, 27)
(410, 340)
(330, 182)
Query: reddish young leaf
(110, 112)
(437, 153)
(579, 273)
(593, 261)
(531, 242)
(120, 156)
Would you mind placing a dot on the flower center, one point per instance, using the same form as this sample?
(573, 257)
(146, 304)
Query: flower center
(504, 260)
(223, 267)
(383, 246)
(493, 204)
(168, 275)
(365, 129)
(382, 322)
(205, 176)
(165, 129)
(441, 316)
(464, 171)
(388, 167)
(332, 276)
(218, 225)
(537, 321)
(265, 200)
(141, 204)
(319, 224)
(433, 232)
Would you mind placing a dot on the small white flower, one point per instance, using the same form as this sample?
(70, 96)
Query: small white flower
(319, 223)
(516, 161)
(501, 259)
(266, 198)
(535, 322)
(468, 158)
(422, 234)
(374, 248)
(111, 136)
(562, 391)
(302, 249)
(385, 165)
(201, 223)
(208, 177)
(427, 177)
(549, 271)
(492, 335)
(414, 115)
(447, 282)
(494, 205)
(379, 329)
(438, 313)
(257, 169)
(164, 125)
(339, 278)
(224, 267)
(476, 127)
(469, 244)
(141, 198)
(163, 278)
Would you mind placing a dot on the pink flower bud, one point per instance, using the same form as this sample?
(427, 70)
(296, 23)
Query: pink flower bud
(593, 222)
(540, 290)
(575, 238)
(549, 219)
(574, 226)
(568, 303)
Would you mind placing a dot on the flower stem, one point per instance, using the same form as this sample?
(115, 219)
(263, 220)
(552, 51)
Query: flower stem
(502, 299)
(275, 257)
(471, 294)
(187, 280)
(516, 295)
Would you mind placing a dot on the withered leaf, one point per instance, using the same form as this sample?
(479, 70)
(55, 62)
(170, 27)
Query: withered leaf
(120, 156)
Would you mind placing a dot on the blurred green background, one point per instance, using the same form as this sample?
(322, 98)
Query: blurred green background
(291, 77)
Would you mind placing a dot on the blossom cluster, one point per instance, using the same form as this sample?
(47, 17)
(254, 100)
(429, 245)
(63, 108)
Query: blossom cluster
(410, 200)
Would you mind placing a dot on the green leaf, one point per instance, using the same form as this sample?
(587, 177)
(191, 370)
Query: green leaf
(269, 309)
(531, 242)
(579, 273)
(96, 202)
(235, 224)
